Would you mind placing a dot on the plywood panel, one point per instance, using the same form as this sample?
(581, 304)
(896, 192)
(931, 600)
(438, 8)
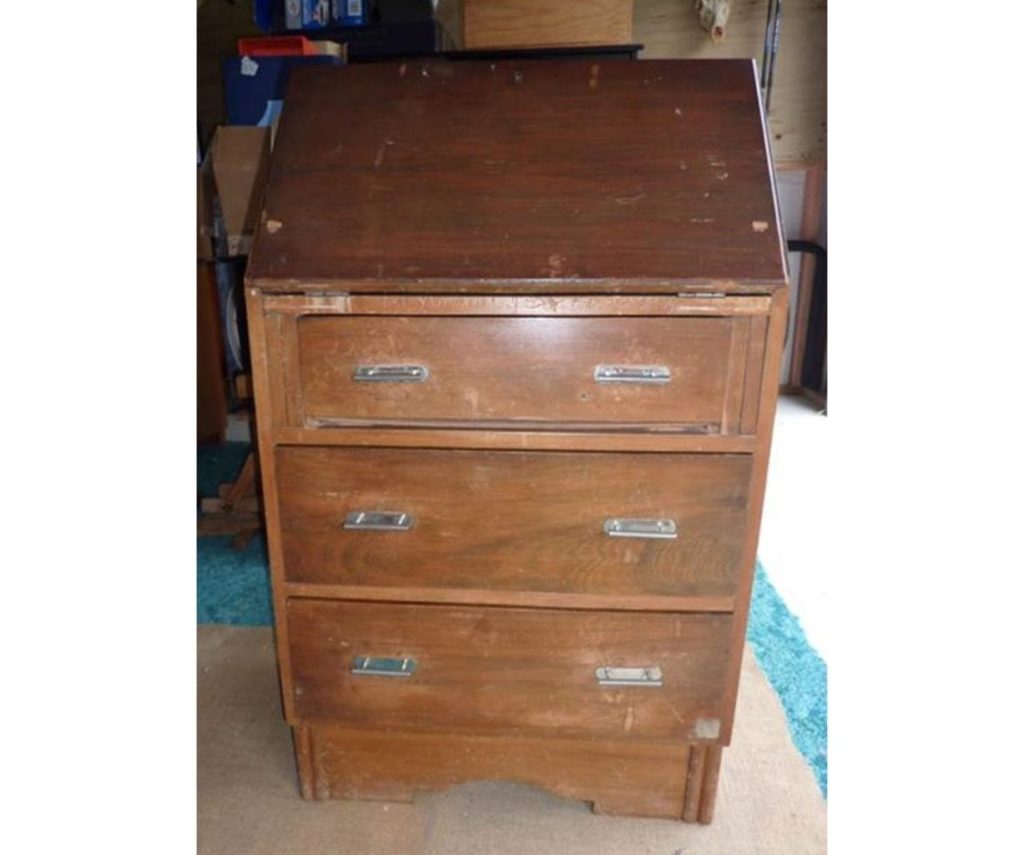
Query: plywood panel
(536, 23)
(797, 115)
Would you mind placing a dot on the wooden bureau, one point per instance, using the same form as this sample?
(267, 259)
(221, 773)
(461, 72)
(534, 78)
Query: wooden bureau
(515, 330)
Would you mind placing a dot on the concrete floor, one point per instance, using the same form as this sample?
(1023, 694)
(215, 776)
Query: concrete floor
(793, 547)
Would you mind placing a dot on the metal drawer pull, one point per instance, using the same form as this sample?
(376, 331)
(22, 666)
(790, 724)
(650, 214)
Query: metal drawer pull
(632, 374)
(629, 676)
(383, 666)
(390, 373)
(665, 529)
(378, 521)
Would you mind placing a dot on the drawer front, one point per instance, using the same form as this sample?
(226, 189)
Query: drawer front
(681, 373)
(586, 523)
(509, 670)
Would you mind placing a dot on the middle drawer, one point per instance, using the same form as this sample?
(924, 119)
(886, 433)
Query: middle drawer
(580, 522)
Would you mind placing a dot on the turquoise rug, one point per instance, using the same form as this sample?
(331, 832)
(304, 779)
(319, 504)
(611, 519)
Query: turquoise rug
(795, 670)
(233, 588)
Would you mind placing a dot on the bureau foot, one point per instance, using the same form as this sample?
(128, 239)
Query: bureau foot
(701, 783)
(302, 737)
(621, 778)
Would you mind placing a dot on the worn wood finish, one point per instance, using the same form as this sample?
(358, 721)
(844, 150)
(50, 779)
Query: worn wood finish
(558, 171)
(525, 438)
(752, 375)
(719, 305)
(268, 388)
(522, 369)
(529, 599)
(513, 520)
(302, 737)
(514, 671)
(567, 196)
(412, 286)
(618, 776)
(708, 782)
(694, 775)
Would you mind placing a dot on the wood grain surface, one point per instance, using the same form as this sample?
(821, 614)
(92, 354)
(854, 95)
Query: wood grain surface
(540, 23)
(533, 369)
(510, 671)
(628, 778)
(499, 597)
(518, 521)
(643, 305)
(551, 172)
(798, 113)
(525, 437)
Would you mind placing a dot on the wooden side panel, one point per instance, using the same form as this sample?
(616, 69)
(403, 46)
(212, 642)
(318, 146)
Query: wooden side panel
(519, 369)
(765, 420)
(508, 671)
(515, 521)
(753, 378)
(268, 386)
(541, 23)
(735, 370)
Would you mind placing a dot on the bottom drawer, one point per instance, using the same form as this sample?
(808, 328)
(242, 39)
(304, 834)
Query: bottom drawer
(505, 670)
(627, 777)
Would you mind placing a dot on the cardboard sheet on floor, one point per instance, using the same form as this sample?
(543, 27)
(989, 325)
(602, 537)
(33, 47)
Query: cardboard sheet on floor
(231, 181)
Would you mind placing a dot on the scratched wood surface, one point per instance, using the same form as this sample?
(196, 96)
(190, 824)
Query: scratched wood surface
(519, 521)
(513, 671)
(622, 777)
(555, 172)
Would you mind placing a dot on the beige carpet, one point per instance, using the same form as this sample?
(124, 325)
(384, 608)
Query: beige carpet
(249, 804)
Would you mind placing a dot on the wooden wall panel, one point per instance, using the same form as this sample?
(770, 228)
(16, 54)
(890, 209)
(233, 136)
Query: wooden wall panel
(535, 23)
(797, 115)
(669, 29)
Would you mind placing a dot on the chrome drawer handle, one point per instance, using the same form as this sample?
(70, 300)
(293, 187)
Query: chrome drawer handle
(664, 529)
(390, 373)
(632, 374)
(383, 666)
(650, 676)
(378, 521)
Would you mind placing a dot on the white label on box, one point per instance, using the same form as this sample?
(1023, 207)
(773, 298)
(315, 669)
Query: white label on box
(249, 66)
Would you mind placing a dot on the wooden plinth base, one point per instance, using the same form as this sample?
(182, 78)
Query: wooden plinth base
(621, 778)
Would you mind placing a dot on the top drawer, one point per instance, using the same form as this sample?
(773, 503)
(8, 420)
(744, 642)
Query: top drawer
(688, 374)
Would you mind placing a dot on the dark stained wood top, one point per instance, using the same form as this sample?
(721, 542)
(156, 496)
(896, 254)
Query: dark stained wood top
(555, 176)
